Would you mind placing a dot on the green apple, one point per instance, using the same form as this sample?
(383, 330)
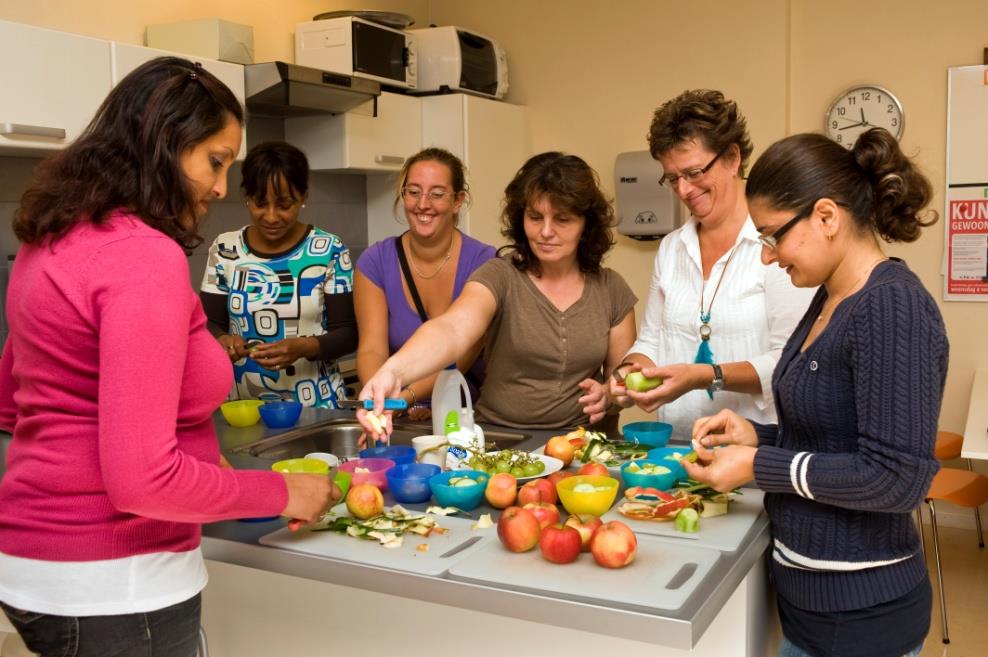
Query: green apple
(640, 383)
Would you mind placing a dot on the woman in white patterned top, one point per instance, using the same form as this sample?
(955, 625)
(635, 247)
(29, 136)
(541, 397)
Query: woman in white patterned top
(716, 318)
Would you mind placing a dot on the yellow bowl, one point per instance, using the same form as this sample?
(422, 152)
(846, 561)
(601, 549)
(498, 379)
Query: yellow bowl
(241, 413)
(595, 502)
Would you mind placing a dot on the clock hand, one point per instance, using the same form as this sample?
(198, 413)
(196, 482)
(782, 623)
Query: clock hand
(853, 125)
(864, 121)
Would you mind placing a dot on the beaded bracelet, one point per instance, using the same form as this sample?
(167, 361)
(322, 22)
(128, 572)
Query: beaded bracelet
(415, 398)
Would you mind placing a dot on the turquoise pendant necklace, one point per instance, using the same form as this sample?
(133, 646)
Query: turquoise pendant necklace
(703, 352)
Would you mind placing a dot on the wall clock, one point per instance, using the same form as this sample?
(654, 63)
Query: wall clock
(861, 108)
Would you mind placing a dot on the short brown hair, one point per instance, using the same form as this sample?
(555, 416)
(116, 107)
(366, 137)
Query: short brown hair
(569, 183)
(701, 115)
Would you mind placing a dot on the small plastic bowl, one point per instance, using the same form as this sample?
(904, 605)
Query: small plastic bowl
(376, 469)
(595, 502)
(342, 480)
(656, 434)
(409, 482)
(662, 481)
(400, 454)
(671, 457)
(280, 414)
(465, 498)
(301, 466)
(241, 413)
(331, 459)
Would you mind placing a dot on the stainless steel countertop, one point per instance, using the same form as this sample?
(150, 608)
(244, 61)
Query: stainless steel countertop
(237, 543)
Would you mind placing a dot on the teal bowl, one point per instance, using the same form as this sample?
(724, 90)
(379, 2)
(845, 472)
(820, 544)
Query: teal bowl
(465, 498)
(671, 457)
(656, 434)
(663, 481)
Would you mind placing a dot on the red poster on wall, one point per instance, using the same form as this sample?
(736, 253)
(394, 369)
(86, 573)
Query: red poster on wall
(967, 243)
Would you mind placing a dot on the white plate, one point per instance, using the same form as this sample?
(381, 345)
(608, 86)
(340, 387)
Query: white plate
(552, 464)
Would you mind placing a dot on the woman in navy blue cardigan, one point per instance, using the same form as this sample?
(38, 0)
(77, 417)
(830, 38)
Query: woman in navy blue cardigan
(858, 391)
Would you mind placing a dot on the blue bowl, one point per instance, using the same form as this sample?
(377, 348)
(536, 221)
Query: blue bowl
(280, 414)
(400, 454)
(656, 434)
(671, 457)
(409, 482)
(465, 498)
(661, 481)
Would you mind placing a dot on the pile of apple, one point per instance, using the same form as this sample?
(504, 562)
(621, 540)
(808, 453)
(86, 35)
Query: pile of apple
(536, 521)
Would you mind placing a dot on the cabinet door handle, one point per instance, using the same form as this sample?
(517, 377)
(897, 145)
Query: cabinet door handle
(31, 130)
(389, 159)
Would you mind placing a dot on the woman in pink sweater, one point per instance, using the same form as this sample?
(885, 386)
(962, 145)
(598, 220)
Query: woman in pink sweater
(109, 379)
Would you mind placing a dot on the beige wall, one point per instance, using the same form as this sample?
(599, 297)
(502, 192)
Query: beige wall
(591, 72)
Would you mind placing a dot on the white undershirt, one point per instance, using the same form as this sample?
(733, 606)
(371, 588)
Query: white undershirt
(752, 316)
(141, 583)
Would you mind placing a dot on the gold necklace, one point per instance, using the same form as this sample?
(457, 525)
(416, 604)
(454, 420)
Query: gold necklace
(851, 290)
(442, 264)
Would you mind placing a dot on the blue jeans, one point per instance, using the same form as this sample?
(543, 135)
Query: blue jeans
(789, 649)
(169, 632)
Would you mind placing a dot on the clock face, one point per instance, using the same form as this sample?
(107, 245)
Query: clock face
(861, 108)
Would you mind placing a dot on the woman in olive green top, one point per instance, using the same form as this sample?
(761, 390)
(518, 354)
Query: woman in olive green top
(556, 322)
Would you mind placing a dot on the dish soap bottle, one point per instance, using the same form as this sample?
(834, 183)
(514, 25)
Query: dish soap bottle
(452, 416)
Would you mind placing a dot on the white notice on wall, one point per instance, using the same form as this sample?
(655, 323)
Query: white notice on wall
(970, 257)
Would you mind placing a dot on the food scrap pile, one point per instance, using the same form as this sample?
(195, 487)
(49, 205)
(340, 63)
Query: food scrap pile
(685, 505)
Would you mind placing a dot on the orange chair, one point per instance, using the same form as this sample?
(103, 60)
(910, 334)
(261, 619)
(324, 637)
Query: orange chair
(947, 448)
(963, 488)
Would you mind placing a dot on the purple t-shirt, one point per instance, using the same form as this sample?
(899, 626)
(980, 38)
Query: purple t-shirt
(379, 263)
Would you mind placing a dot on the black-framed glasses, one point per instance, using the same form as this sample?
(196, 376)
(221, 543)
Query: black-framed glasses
(692, 175)
(414, 194)
(772, 241)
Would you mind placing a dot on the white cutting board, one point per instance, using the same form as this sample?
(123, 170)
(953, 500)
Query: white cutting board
(719, 532)
(444, 549)
(663, 575)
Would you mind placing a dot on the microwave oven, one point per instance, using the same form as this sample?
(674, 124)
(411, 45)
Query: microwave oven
(455, 59)
(354, 46)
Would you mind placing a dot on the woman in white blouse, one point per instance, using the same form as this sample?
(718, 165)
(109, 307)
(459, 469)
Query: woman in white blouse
(716, 317)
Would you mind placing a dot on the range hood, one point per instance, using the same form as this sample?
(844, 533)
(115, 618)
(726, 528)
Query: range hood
(280, 89)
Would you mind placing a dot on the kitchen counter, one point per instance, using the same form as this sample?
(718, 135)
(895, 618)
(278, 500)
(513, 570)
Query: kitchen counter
(732, 600)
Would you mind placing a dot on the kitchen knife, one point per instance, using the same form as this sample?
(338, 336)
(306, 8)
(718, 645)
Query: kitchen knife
(368, 404)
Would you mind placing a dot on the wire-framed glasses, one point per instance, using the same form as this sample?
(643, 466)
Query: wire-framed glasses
(436, 195)
(692, 175)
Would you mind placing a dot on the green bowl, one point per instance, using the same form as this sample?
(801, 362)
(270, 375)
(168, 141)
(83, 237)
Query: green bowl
(241, 413)
(303, 466)
(342, 480)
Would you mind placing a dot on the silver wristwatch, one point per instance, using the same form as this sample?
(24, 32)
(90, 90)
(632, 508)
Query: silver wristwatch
(718, 382)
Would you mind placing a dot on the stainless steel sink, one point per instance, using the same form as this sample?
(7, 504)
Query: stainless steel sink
(340, 437)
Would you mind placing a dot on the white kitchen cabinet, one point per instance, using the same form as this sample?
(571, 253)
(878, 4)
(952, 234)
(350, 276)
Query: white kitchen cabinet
(53, 83)
(126, 57)
(358, 142)
(490, 137)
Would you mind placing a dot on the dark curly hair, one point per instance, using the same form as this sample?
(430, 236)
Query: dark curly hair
(130, 155)
(569, 183)
(271, 162)
(882, 188)
(700, 115)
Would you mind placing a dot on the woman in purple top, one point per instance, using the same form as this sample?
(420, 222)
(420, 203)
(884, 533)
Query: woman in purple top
(391, 299)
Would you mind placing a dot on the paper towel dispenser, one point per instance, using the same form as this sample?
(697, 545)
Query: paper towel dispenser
(645, 209)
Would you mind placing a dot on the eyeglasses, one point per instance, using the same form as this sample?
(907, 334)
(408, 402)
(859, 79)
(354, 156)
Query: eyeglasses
(691, 176)
(434, 195)
(772, 241)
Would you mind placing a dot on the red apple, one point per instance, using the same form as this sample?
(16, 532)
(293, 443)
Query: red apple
(586, 524)
(537, 490)
(547, 514)
(613, 545)
(518, 529)
(594, 469)
(557, 476)
(501, 490)
(561, 448)
(560, 544)
(365, 501)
